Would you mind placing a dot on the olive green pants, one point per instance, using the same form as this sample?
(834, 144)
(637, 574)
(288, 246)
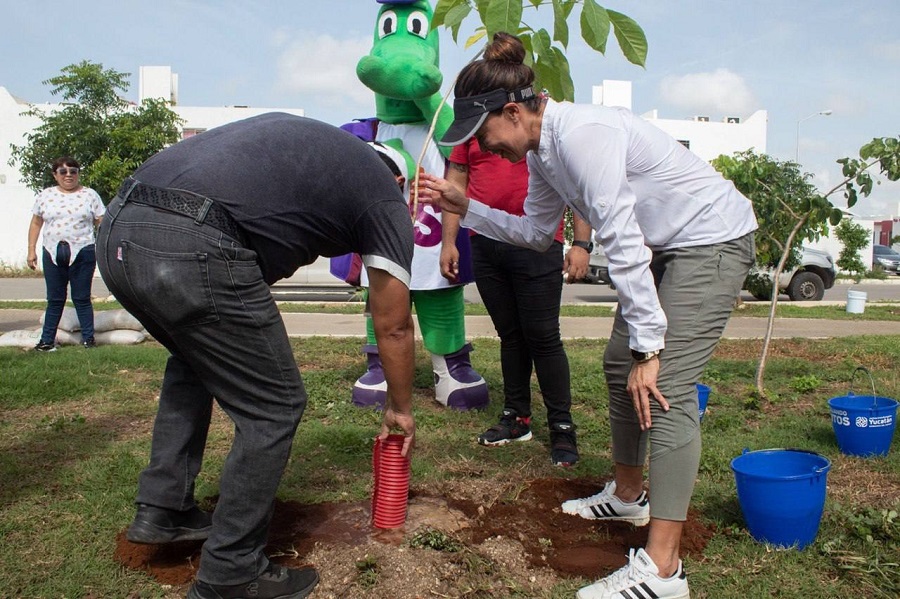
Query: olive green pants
(697, 287)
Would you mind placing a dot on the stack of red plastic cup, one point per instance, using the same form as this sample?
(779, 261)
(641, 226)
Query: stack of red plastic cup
(391, 493)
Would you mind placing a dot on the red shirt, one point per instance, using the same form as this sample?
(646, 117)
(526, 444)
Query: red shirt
(495, 181)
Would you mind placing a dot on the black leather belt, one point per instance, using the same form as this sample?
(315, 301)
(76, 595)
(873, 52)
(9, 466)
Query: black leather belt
(202, 209)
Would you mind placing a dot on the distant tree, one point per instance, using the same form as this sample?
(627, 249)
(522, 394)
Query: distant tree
(853, 237)
(789, 209)
(549, 61)
(109, 136)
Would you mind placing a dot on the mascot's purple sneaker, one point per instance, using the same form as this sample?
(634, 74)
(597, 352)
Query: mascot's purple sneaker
(370, 390)
(456, 384)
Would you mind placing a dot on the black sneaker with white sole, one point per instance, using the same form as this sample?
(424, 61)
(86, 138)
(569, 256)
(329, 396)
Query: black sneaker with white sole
(511, 427)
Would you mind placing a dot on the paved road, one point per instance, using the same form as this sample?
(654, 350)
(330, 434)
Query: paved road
(353, 325)
(326, 288)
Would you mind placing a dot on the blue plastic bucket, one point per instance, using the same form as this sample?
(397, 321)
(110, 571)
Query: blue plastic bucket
(863, 424)
(782, 494)
(702, 398)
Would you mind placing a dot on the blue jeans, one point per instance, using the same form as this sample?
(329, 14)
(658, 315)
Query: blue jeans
(80, 275)
(521, 289)
(201, 294)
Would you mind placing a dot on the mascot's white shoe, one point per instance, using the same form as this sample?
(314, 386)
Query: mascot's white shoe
(370, 390)
(456, 384)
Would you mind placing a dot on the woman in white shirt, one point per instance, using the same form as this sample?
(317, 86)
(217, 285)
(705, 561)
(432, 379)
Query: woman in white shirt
(67, 213)
(679, 239)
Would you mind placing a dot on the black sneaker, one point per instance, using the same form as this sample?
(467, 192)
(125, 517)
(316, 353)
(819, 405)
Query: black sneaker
(89, 343)
(563, 446)
(510, 428)
(45, 347)
(153, 525)
(276, 582)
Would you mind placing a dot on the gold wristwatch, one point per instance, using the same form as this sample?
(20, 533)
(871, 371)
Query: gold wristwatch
(644, 356)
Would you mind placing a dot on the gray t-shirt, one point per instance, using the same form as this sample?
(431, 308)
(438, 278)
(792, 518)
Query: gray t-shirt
(298, 188)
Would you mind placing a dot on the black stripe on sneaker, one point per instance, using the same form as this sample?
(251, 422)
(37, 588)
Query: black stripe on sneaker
(641, 591)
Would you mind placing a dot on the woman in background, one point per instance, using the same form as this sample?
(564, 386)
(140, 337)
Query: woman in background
(68, 214)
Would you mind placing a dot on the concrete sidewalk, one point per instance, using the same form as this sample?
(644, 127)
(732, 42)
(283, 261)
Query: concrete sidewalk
(353, 325)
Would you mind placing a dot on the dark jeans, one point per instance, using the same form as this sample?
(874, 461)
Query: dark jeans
(80, 275)
(521, 289)
(202, 295)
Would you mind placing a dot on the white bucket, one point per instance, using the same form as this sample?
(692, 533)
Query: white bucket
(856, 301)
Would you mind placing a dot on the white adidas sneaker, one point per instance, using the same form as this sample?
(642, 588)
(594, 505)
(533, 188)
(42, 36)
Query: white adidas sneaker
(606, 506)
(639, 579)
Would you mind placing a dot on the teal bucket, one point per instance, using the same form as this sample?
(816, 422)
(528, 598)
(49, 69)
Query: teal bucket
(702, 398)
(782, 494)
(863, 424)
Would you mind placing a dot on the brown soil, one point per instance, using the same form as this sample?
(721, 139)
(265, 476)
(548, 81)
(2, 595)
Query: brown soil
(522, 542)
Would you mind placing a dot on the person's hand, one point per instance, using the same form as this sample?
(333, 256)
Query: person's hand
(641, 387)
(405, 422)
(575, 265)
(450, 262)
(31, 260)
(443, 194)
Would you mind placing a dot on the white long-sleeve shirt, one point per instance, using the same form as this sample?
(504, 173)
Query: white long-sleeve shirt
(639, 188)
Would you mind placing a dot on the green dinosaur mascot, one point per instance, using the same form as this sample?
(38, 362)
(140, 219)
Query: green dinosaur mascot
(402, 70)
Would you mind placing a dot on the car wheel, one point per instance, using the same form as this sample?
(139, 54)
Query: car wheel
(806, 286)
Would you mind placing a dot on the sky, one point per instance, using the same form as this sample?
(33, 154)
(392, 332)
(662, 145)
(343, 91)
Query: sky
(793, 58)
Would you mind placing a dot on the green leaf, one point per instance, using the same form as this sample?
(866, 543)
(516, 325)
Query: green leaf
(455, 17)
(503, 15)
(595, 25)
(566, 85)
(541, 43)
(835, 217)
(630, 36)
(442, 9)
(560, 23)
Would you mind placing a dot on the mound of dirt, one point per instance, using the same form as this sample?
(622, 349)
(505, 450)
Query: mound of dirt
(522, 537)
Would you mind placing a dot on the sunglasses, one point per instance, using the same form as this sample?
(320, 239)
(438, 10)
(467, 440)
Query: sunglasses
(67, 171)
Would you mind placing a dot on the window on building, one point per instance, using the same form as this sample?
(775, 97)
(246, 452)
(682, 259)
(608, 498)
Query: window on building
(191, 133)
(685, 142)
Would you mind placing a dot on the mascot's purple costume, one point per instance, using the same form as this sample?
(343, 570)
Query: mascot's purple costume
(402, 70)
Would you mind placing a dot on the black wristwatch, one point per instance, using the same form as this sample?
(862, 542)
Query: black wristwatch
(644, 356)
(587, 246)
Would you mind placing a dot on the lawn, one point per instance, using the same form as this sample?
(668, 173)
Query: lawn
(75, 431)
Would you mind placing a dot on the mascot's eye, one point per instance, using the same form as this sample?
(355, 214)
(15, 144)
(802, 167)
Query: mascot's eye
(387, 24)
(417, 24)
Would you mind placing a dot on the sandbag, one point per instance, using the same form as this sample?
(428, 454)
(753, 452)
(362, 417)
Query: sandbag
(110, 320)
(120, 337)
(104, 320)
(67, 322)
(20, 338)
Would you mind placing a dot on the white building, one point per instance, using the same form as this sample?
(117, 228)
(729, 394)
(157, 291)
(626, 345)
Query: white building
(16, 200)
(705, 137)
(710, 138)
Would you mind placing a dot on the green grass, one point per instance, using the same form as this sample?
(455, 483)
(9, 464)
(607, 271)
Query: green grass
(75, 432)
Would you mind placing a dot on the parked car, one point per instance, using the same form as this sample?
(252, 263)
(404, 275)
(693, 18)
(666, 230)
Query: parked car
(805, 282)
(886, 257)
(808, 281)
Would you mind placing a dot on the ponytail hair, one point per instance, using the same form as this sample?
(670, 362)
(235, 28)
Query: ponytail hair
(503, 67)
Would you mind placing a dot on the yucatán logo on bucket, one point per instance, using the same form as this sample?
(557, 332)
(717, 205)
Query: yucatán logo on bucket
(842, 418)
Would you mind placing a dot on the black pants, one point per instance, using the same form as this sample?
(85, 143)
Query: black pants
(522, 289)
